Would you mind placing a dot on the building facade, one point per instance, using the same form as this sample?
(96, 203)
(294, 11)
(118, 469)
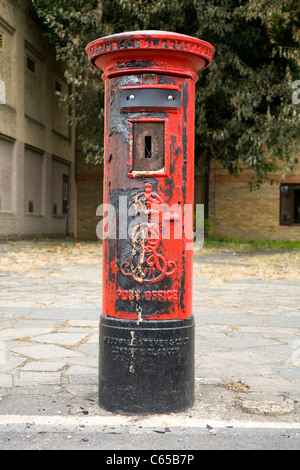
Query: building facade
(271, 212)
(46, 187)
(89, 195)
(37, 146)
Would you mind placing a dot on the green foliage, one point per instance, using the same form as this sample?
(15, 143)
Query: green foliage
(207, 226)
(244, 109)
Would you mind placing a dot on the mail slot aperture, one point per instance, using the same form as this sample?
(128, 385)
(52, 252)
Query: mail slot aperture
(148, 146)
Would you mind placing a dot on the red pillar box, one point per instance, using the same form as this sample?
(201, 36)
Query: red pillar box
(147, 327)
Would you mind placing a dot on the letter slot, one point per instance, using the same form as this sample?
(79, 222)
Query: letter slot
(148, 146)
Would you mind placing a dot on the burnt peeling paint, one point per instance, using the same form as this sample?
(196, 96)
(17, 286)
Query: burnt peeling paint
(153, 278)
(136, 64)
(199, 56)
(146, 347)
(126, 43)
(166, 80)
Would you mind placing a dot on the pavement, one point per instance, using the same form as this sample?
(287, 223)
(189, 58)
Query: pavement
(247, 387)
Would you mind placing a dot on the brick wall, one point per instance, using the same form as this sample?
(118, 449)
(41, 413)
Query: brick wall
(237, 212)
(89, 195)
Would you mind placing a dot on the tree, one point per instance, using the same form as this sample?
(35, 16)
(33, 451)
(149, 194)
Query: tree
(244, 108)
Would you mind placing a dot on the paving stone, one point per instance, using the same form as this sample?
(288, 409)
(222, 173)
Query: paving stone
(267, 407)
(37, 378)
(66, 339)
(84, 323)
(45, 351)
(44, 366)
(81, 370)
(10, 333)
(246, 330)
(6, 380)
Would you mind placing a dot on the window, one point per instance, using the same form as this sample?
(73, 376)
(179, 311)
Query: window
(30, 207)
(290, 204)
(65, 203)
(58, 87)
(30, 65)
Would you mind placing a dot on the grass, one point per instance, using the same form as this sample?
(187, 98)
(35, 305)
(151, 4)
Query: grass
(223, 244)
(32, 255)
(270, 259)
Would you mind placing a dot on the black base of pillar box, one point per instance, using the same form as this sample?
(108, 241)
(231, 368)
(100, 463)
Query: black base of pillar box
(147, 367)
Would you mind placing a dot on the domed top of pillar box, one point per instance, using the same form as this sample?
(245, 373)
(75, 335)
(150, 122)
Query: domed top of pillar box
(150, 51)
